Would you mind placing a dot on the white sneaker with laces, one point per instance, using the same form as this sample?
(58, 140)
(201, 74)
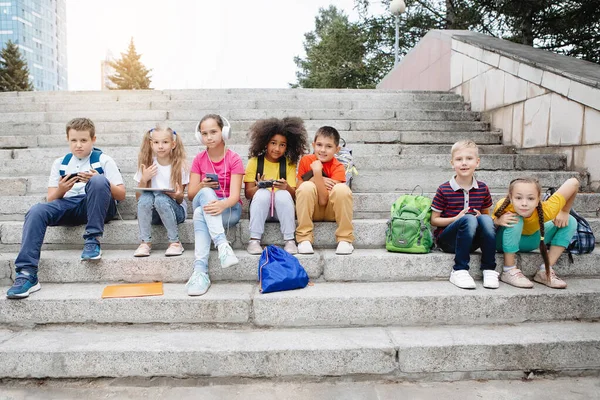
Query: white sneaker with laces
(305, 247)
(198, 284)
(462, 279)
(226, 256)
(490, 279)
(344, 248)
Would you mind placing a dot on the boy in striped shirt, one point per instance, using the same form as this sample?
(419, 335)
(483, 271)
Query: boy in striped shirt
(461, 214)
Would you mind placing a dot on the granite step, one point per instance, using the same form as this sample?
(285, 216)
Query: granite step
(321, 305)
(365, 265)
(413, 353)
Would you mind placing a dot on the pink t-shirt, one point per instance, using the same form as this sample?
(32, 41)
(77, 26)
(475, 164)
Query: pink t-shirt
(230, 164)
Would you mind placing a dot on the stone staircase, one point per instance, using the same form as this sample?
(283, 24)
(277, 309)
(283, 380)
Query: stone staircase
(370, 315)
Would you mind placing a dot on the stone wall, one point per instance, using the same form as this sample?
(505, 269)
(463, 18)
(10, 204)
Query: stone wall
(542, 102)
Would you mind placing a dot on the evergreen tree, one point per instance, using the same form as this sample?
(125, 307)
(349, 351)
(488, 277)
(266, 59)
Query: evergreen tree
(130, 73)
(335, 54)
(14, 74)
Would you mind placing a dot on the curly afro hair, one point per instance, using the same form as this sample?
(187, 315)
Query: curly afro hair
(292, 128)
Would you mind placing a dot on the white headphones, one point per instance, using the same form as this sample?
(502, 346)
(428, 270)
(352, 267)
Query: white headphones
(226, 131)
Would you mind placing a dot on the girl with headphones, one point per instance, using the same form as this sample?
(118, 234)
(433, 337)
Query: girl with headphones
(214, 188)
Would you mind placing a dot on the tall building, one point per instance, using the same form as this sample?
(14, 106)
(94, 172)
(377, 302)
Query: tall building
(39, 28)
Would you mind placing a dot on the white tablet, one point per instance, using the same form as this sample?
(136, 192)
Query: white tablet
(139, 189)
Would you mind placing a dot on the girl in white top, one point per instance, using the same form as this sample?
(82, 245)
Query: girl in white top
(162, 165)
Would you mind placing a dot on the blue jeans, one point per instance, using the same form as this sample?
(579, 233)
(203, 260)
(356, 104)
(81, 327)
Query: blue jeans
(465, 236)
(93, 208)
(156, 208)
(210, 227)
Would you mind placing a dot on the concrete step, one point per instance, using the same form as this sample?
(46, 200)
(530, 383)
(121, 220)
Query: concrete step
(126, 159)
(375, 265)
(124, 234)
(367, 181)
(366, 205)
(418, 353)
(226, 106)
(321, 305)
(125, 115)
(134, 123)
(385, 181)
(351, 137)
(358, 150)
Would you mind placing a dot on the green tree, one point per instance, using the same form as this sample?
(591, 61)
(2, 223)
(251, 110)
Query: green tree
(130, 73)
(14, 74)
(336, 56)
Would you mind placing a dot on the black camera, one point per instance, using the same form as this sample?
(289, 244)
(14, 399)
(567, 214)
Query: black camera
(265, 184)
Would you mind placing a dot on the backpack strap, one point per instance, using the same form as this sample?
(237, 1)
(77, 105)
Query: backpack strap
(64, 164)
(282, 168)
(94, 162)
(260, 166)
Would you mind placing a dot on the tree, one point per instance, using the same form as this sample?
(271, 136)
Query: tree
(130, 73)
(14, 74)
(335, 54)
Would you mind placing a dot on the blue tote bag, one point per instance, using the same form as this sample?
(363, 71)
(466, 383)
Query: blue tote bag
(278, 270)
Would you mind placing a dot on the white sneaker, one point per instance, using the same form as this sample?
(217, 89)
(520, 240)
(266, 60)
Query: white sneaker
(305, 247)
(490, 279)
(290, 246)
(198, 284)
(344, 248)
(462, 279)
(226, 256)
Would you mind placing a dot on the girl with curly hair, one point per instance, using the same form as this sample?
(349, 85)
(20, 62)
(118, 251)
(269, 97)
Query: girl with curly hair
(525, 222)
(276, 146)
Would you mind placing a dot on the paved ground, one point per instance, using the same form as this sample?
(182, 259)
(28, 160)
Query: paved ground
(547, 389)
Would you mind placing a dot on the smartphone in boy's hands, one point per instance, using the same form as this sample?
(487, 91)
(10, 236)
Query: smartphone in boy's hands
(214, 178)
(73, 176)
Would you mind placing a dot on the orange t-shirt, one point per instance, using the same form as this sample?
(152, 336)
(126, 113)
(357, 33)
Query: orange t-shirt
(333, 169)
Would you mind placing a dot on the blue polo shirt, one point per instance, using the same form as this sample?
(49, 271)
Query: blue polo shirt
(450, 199)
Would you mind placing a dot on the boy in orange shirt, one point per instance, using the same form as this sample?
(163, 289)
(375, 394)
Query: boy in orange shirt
(322, 195)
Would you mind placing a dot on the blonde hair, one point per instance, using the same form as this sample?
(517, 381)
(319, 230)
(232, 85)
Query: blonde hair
(178, 155)
(464, 144)
(540, 211)
(81, 124)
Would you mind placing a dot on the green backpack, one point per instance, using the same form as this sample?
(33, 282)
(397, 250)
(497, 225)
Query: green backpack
(409, 229)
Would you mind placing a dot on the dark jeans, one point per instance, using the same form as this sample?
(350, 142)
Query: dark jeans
(465, 236)
(93, 209)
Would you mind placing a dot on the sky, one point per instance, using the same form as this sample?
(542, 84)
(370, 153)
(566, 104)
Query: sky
(193, 44)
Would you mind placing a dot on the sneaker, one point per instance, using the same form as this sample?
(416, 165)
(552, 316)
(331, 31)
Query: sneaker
(516, 278)
(143, 250)
(174, 249)
(198, 284)
(555, 281)
(290, 246)
(305, 247)
(462, 279)
(254, 247)
(91, 251)
(344, 248)
(490, 279)
(23, 286)
(226, 256)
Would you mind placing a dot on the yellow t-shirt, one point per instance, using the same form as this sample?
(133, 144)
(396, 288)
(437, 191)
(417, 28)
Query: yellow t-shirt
(531, 225)
(271, 171)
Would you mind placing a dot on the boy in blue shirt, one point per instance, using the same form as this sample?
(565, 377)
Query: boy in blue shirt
(83, 188)
(461, 212)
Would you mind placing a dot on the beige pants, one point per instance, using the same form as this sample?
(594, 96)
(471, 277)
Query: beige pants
(338, 209)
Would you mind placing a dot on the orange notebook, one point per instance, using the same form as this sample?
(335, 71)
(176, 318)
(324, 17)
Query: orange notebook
(133, 290)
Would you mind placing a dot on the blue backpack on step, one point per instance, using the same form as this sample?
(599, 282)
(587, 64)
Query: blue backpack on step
(278, 270)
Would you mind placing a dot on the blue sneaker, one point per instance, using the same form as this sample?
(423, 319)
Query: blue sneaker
(91, 251)
(23, 286)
